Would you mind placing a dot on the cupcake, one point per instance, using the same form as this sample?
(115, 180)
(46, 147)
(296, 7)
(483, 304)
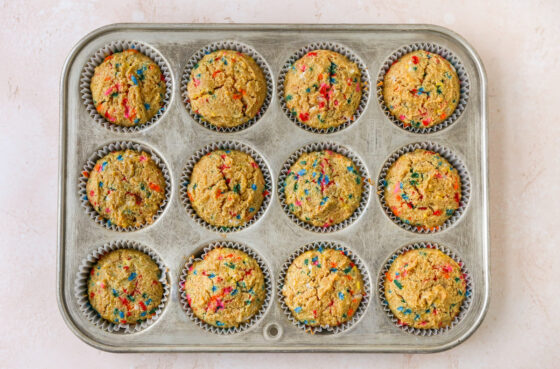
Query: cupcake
(421, 89)
(126, 188)
(128, 88)
(226, 188)
(226, 288)
(323, 188)
(124, 287)
(322, 89)
(226, 88)
(323, 287)
(425, 289)
(422, 189)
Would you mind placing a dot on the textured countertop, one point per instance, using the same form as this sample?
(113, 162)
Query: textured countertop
(519, 43)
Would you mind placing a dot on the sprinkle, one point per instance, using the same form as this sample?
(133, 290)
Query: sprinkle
(132, 276)
(341, 295)
(298, 309)
(134, 80)
(398, 284)
(254, 187)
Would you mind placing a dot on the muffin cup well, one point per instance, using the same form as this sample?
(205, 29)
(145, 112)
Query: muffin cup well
(448, 155)
(361, 308)
(267, 281)
(105, 150)
(343, 50)
(319, 146)
(225, 145)
(464, 84)
(385, 305)
(227, 45)
(98, 57)
(81, 287)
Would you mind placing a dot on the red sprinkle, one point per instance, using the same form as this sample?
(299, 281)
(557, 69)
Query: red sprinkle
(415, 59)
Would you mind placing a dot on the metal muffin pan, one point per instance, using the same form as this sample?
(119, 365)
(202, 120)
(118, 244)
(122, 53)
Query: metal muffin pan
(175, 235)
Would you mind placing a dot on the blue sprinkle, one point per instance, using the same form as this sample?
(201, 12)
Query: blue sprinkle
(407, 311)
(401, 185)
(132, 276)
(219, 324)
(238, 216)
(404, 196)
(100, 184)
(298, 309)
(314, 174)
(350, 168)
(147, 106)
(468, 293)
(251, 210)
(121, 314)
(214, 288)
(120, 158)
(254, 187)
(400, 308)
(137, 120)
(115, 293)
(327, 180)
(211, 275)
(143, 313)
(103, 166)
(334, 270)
(314, 259)
(302, 172)
(148, 301)
(306, 191)
(234, 292)
(341, 295)
(84, 198)
(134, 80)
(321, 249)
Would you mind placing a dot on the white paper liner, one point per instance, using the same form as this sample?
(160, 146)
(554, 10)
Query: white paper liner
(319, 146)
(341, 49)
(105, 150)
(455, 162)
(385, 305)
(267, 281)
(81, 287)
(363, 303)
(464, 85)
(227, 45)
(225, 145)
(98, 57)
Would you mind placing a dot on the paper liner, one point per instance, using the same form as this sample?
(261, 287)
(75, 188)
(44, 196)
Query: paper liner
(464, 84)
(98, 57)
(359, 311)
(227, 45)
(81, 287)
(319, 146)
(225, 145)
(332, 46)
(105, 150)
(385, 305)
(448, 155)
(267, 281)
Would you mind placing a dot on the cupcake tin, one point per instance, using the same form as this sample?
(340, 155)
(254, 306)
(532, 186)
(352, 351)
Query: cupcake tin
(175, 235)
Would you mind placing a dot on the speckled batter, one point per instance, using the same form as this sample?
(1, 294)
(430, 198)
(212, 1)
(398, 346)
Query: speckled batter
(421, 89)
(323, 287)
(227, 88)
(425, 288)
(226, 288)
(124, 286)
(322, 89)
(126, 187)
(323, 188)
(422, 189)
(128, 88)
(226, 188)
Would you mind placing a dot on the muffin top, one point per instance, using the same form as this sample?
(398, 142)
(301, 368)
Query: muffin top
(322, 89)
(425, 288)
(226, 188)
(128, 88)
(227, 88)
(124, 286)
(323, 287)
(422, 189)
(226, 288)
(421, 89)
(127, 188)
(323, 188)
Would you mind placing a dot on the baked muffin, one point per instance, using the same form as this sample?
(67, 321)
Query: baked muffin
(422, 189)
(226, 188)
(322, 89)
(124, 286)
(128, 88)
(226, 288)
(227, 88)
(323, 287)
(425, 288)
(126, 188)
(323, 188)
(421, 89)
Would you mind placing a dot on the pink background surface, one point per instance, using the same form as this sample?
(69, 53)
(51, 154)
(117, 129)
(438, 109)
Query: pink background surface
(519, 44)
